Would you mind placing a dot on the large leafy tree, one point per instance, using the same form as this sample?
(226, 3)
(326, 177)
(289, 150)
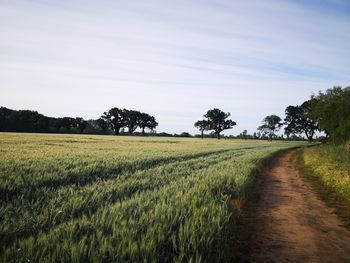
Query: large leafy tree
(131, 119)
(270, 125)
(147, 121)
(202, 126)
(115, 119)
(331, 109)
(298, 120)
(218, 121)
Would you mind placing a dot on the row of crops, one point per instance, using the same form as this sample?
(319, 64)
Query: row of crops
(71, 198)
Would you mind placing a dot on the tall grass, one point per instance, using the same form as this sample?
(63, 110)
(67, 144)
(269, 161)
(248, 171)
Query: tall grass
(331, 165)
(76, 198)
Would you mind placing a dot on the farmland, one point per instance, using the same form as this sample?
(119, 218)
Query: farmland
(79, 198)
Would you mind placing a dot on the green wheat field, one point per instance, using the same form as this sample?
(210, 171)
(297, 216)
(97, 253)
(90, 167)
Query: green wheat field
(89, 198)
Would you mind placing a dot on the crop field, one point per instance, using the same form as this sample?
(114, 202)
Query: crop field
(81, 198)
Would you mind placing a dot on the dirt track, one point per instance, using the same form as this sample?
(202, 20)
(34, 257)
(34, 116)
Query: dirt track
(287, 222)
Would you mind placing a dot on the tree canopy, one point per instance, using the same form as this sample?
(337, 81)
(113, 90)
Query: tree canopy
(216, 120)
(299, 120)
(113, 120)
(270, 125)
(147, 121)
(202, 126)
(331, 109)
(131, 119)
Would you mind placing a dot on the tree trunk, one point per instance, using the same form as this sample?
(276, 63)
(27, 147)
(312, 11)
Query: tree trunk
(309, 137)
(116, 131)
(143, 131)
(202, 132)
(218, 135)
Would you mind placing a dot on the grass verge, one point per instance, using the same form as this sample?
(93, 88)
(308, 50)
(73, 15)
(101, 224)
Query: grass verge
(327, 169)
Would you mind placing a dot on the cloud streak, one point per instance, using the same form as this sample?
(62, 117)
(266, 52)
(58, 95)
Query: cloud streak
(174, 59)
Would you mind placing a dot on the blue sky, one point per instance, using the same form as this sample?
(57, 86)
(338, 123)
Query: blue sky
(172, 59)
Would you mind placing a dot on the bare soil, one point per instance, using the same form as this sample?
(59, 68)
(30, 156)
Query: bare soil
(287, 222)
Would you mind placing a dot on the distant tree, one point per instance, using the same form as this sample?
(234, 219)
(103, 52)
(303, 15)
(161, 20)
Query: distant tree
(183, 134)
(42, 124)
(217, 121)
(131, 119)
(56, 124)
(244, 135)
(147, 121)
(67, 123)
(164, 134)
(80, 124)
(331, 109)
(102, 124)
(115, 119)
(270, 125)
(298, 120)
(202, 126)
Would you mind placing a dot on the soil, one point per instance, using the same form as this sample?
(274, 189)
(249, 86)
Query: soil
(285, 220)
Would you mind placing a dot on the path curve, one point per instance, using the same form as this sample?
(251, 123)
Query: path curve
(290, 223)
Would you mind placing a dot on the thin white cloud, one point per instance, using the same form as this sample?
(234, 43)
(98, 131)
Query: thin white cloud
(174, 59)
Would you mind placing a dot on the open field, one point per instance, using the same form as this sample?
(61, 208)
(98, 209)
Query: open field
(73, 198)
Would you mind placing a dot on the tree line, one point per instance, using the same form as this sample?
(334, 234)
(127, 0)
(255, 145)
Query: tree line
(327, 112)
(111, 121)
(116, 119)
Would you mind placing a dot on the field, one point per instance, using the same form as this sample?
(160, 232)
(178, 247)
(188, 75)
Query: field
(80, 198)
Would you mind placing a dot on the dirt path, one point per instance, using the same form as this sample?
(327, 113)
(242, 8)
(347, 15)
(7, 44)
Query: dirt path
(289, 223)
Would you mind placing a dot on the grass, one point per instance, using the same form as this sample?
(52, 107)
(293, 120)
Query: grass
(81, 198)
(328, 168)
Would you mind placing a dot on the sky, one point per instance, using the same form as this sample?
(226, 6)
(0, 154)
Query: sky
(172, 59)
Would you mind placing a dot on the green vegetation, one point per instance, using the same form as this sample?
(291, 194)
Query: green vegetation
(327, 111)
(80, 198)
(331, 165)
(331, 109)
(215, 120)
(112, 121)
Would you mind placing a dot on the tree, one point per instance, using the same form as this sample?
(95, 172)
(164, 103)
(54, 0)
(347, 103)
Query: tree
(102, 124)
(244, 135)
(270, 125)
(202, 125)
(147, 121)
(217, 121)
(115, 119)
(56, 124)
(185, 134)
(80, 124)
(298, 120)
(131, 119)
(67, 123)
(331, 109)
